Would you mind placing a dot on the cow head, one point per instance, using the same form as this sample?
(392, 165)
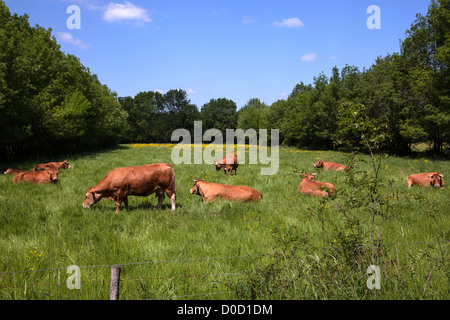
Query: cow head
(195, 189)
(437, 180)
(218, 165)
(53, 175)
(318, 164)
(308, 176)
(90, 198)
(8, 171)
(65, 165)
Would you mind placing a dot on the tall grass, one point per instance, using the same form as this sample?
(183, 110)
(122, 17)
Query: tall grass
(286, 246)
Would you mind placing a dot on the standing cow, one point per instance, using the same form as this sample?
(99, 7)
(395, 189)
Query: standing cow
(227, 163)
(210, 191)
(38, 177)
(309, 186)
(329, 165)
(53, 165)
(144, 180)
(430, 179)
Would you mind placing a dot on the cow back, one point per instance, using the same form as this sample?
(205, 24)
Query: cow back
(139, 180)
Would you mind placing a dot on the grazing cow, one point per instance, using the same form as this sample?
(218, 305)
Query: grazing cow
(210, 191)
(227, 163)
(329, 165)
(53, 165)
(12, 171)
(309, 186)
(430, 179)
(122, 182)
(39, 177)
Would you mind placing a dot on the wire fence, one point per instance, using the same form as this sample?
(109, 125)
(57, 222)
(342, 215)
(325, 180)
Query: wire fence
(442, 251)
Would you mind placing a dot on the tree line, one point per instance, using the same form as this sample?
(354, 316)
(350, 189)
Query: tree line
(49, 100)
(404, 95)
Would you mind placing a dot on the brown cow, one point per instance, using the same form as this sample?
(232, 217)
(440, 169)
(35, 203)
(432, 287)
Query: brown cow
(227, 163)
(53, 165)
(430, 179)
(122, 182)
(309, 186)
(13, 171)
(39, 177)
(329, 165)
(210, 191)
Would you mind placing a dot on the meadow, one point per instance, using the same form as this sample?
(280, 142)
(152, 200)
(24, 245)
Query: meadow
(288, 246)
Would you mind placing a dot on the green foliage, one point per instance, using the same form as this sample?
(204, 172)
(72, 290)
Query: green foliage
(47, 96)
(251, 115)
(153, 116)
(405, 93)
(219, 114)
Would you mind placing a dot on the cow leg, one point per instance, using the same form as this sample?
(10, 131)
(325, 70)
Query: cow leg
(161, 196)
(172, 201)
(160, 201)
(118, 203)
(172, 197)
(121, 196)
(125, 200)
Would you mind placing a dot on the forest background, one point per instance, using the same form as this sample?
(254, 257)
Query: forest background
(51, 104)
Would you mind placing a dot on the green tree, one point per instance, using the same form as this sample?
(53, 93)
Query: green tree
(219, 114)
(252, 114)
(47, 96)
(180, 113)
(425, 65)
(274, 117)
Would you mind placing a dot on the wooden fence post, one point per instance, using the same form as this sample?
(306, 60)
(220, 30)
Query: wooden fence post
(115, 281)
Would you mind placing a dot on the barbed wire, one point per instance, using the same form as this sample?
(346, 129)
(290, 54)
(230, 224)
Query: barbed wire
(140, 278)
(218, 258)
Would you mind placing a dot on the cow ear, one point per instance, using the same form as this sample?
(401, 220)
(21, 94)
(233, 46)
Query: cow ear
(441, 175)
(430, 176)
(194, 180)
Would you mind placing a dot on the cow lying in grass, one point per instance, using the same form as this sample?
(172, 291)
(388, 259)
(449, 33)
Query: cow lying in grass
(52, 166)
(430, 179)
(210, 191)
(38, 177)
(309, 186)
(329, 165)
(13, 171)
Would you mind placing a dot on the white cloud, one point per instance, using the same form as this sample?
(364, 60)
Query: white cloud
(161, 91)
(334, 58)
(190, 91)
(248, 20)
(289, 23)
(116, 12)
(68, 38)
(284, 94)
(309, 57)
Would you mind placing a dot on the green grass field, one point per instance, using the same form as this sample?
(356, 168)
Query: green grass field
(221, 249)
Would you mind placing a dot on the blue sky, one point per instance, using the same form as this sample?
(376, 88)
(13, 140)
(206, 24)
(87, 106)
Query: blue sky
(213, 49)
